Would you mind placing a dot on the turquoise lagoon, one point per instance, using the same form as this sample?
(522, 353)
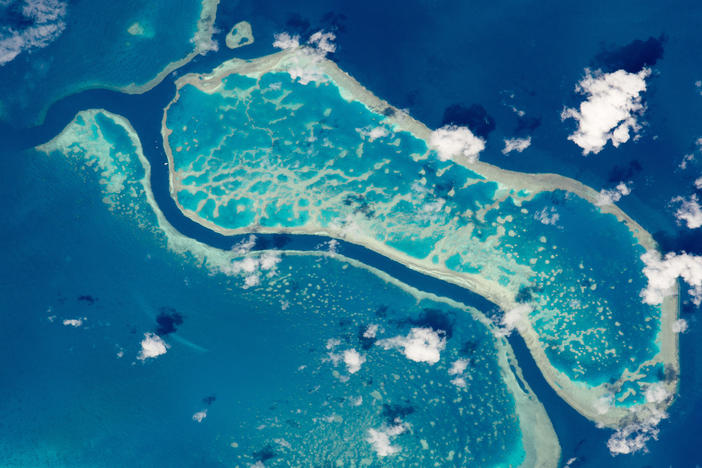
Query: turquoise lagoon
(261, 151)
(251, 374)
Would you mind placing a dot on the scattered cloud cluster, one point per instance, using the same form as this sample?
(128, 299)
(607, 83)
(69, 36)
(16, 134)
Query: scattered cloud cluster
(663, 273)
(679, 326)
(516, 144)
(252, 266)
(457, 369)
(373, 133)
(318, 46)
(548, 215)
(644, 423)
(689, 210)
(611, 196)
(380, 439)
(74, 322)
(353, 360)
(43, 23)
(420, 345)
(611, 110)
(152, 346)
(371, 331)
(512, 318)
(200, 416)
(451, 141)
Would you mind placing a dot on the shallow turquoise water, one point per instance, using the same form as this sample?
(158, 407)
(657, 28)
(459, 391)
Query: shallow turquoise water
(116, 59)
(282, 154)
(259, 360)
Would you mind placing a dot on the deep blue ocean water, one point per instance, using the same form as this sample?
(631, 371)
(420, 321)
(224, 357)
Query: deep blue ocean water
(415, 56)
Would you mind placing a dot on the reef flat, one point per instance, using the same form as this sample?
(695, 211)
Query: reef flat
(289, 143)
(461, 370)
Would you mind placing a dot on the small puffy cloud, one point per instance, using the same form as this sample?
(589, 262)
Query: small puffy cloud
(253, 266)
(43, 22)
(457, 369)
(516, 144)
(245, 246)
(689, 211)
(353, 360)
(420, 345)
(380, 439)
(679, 326)
(611, 110)
(633, 437)
(698, 183)
(74, 322)
(371, 331)
(452, 141)
(656, 393)
(152, 346)
(548, 215)
(200, 415)
(317, 47)
(512, 318)
(663, 272)
(604, 403)
(611, 196)
(286, 41)
(323, 42)
(373, 133)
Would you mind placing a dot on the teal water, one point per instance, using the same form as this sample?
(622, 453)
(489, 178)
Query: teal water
(276, 153)
(260, 361)
(131, 43)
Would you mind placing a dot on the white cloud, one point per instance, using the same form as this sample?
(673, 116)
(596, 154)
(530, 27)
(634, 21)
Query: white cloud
(333, 343)
(420, 345)
(662, 274)
(371, 331)
(74, 322)
(286, 41)
(698, 183)
(656, 393)
(317, 47)
(611, 110)
(516, 144)
(152, 346)
(604, 403)
(689, 211)
(633, 437)
(459, 367)
(679, 326)
(548, 215)
(373, 133)
(252, 266)
(380, 439)
(200, 415)
(451, 141)
(512, 318)
(611, 196)
(323, 42)
(353, 360)
(245, 246)
(46, 23)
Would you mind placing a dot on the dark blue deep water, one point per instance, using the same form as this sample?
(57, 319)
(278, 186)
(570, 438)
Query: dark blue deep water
(64, 254)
